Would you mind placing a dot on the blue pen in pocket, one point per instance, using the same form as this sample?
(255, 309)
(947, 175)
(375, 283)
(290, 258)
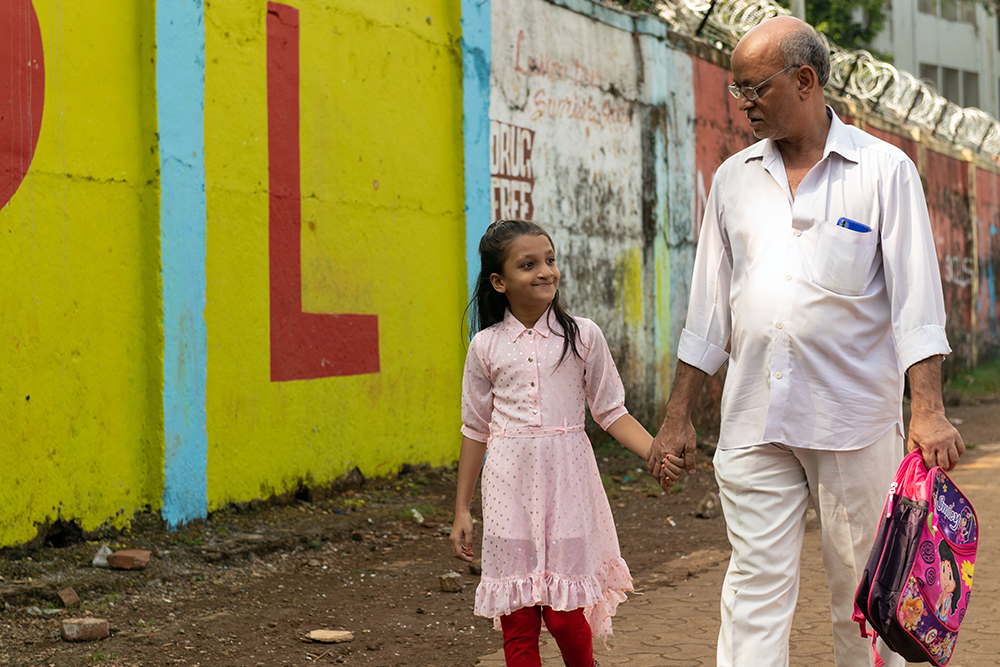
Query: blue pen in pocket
(847, 223)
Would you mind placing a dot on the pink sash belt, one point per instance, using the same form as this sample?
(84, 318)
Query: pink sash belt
(497, 431)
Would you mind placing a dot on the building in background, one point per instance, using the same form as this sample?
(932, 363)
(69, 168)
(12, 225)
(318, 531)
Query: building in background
(952, 44)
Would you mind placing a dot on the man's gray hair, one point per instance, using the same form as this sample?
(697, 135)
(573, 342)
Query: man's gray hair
(804, 47)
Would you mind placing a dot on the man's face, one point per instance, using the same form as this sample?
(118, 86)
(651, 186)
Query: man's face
(770, 113)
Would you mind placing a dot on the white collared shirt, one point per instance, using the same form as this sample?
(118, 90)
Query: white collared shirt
(823, 320)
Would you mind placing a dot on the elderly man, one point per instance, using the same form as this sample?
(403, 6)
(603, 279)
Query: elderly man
(816, 267)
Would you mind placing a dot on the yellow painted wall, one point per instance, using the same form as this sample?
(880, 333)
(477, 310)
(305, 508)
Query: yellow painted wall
(80, 374)
(381, 99)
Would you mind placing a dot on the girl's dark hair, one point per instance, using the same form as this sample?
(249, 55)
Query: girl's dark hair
(946, 554)
(488, 305)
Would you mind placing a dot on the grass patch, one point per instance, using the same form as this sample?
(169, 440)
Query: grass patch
(980, 382)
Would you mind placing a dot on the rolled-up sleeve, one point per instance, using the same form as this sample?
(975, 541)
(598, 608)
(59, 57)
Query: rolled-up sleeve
(912, 273)
(709, 319)
(477, 394)
(602, 383)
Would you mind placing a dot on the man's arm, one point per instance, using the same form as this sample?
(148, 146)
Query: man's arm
(677, 436)
(930, 430)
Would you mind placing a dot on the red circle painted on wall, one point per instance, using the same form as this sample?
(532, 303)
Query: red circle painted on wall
(22, 92)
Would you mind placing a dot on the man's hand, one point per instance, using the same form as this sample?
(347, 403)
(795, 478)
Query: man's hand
(936, 438)
(677, 439)
(930, 430)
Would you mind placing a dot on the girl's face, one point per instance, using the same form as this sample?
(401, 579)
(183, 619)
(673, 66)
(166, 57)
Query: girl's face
(530, 276)
(947, 581)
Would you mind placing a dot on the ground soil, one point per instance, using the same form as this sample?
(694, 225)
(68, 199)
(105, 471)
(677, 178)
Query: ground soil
(243, 588)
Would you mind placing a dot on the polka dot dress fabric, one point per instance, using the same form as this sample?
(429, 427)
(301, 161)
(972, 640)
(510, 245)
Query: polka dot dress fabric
(548, 534)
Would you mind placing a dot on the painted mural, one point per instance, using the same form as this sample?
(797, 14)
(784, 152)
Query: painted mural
(80, 378)
(237, 237)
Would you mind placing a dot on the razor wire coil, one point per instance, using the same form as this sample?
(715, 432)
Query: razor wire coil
(857, 74)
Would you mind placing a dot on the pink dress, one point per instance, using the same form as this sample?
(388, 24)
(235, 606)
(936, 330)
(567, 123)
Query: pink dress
(548, 534)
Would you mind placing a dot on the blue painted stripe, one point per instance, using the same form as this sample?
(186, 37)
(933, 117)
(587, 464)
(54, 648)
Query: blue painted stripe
(180, 99)
(476, 54)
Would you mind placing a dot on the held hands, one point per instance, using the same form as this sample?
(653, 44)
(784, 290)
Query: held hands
(936, 438)
(672, 451)
(461, 537)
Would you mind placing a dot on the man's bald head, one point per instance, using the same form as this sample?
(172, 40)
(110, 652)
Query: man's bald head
(791, 41)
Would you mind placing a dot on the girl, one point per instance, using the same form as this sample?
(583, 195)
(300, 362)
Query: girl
(550, 552)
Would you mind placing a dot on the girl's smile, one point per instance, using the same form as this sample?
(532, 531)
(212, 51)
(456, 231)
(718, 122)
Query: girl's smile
(530, 277)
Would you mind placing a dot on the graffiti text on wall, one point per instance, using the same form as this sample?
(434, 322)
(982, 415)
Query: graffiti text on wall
(22, 90)
(512, 176)
(303, 345)
(542, 65)
(958, 270)
(583, 106)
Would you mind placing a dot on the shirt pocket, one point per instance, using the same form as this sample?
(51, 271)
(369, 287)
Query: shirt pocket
(843, 259)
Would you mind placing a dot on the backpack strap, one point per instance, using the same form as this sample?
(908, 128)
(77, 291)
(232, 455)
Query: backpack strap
(860, 618)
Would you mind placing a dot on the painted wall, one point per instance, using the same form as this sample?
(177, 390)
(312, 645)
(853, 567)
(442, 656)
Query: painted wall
(335, 249)
(80, 380)
(237, 238)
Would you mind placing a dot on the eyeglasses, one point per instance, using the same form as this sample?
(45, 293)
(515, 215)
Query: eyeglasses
(750, 93)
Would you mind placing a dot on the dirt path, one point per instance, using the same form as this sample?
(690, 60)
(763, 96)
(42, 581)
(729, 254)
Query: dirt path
(244, 588)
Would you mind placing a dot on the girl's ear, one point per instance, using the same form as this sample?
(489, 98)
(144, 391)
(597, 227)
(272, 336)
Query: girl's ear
(497, 281)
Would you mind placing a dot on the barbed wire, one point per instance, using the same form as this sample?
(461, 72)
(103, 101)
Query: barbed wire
(858, 74)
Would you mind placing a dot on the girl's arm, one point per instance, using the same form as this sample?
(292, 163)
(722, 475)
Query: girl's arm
(635, 438)
(470, 462)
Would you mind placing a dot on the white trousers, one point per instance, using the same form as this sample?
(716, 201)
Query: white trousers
(765, 491)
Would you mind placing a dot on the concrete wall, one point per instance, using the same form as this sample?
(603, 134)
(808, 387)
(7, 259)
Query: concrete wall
(80, 377)
(238, 237)
(335, 251)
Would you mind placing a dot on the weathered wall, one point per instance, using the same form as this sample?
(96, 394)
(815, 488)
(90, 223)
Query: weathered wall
(238, 237)
(80, 426)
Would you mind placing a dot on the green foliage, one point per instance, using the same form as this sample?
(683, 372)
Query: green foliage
(980, 382)
(836, 20)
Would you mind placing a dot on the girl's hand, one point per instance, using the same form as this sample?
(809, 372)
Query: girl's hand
(671, 466)
(461, 537)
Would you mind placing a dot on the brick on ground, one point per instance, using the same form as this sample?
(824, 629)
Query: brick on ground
(84, 629)
(129, 559)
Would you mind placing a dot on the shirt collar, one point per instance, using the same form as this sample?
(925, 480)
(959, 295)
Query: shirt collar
(838, 140)
(543, 327)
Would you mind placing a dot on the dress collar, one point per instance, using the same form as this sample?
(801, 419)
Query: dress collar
(543, 327)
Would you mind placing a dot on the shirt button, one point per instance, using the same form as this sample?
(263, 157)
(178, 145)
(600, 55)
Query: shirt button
(534, 412)
(777, 376)
(788, 277)
(530, 332)
(798, 232)
(780, 325)
(532, 384)
(529, 358)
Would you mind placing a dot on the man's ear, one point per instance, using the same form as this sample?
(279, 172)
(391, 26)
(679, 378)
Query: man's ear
(497, 281)
(807, 81)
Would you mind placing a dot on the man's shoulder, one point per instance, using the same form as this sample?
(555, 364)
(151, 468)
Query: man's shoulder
(869, 146)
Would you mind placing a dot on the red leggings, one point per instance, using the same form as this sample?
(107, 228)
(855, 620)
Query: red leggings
(569, 628)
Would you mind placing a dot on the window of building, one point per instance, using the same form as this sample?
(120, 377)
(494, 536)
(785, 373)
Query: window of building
(929, 74)
(968, 12)
(970, 89)
(951, 85)
(950, 9)
(927, 7)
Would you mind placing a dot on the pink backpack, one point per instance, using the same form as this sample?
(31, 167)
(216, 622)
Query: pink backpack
(916, 586)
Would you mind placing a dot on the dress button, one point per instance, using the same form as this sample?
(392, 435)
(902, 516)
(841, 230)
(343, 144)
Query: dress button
(532, 384)
(534, 412)
(777, 376)
(780, 325)
(798, 232)
(530, 332)
(529, 358)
